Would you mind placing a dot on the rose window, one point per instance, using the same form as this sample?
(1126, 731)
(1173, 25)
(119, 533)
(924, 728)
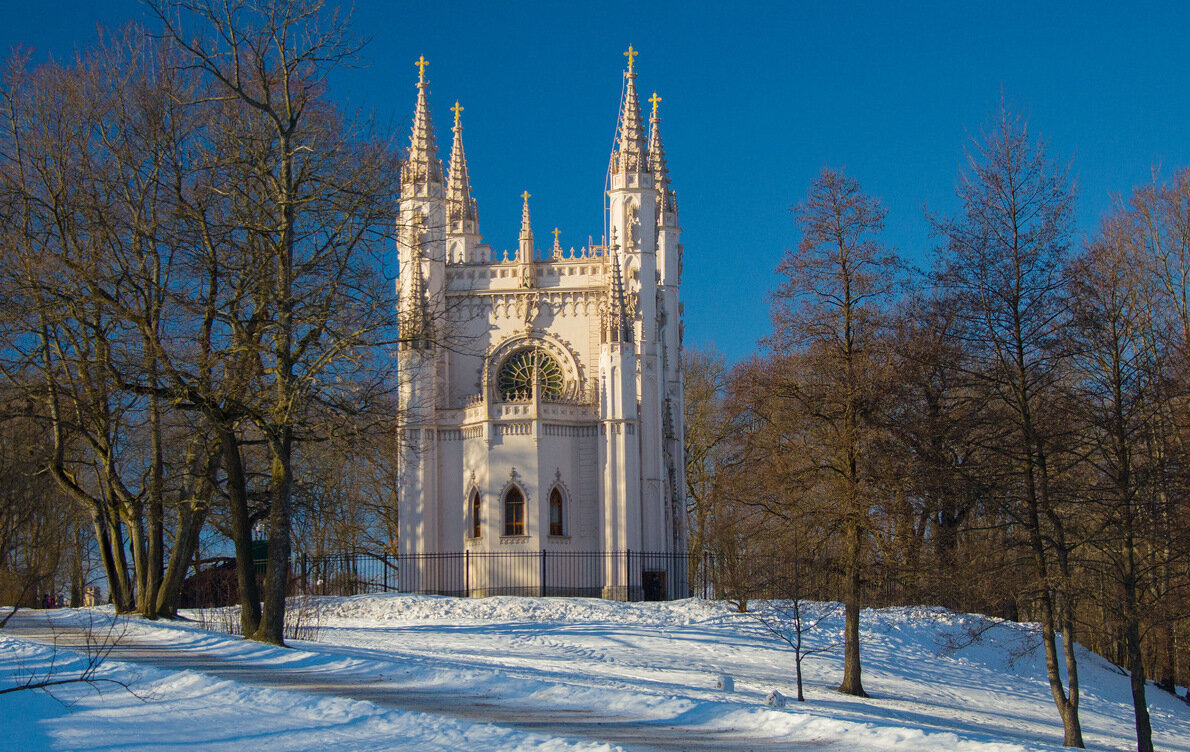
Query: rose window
(526, 368)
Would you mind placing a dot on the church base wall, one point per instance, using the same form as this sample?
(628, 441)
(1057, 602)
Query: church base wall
(622, 593)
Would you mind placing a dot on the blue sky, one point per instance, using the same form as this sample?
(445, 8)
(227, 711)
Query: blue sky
(756, 99)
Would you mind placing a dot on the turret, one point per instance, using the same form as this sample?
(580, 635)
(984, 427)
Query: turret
(421, 257)
(632, 206)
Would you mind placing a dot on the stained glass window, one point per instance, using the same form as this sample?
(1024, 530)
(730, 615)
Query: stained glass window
(525, 368)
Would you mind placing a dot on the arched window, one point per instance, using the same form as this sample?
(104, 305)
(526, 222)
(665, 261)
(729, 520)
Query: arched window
(557, 521)
(476, 515)
(514, 512)
(526, 368)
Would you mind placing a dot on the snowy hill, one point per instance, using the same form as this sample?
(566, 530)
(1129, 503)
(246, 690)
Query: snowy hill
(424, 673)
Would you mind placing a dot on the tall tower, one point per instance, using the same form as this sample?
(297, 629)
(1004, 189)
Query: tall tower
(421, 256)
(669, 335)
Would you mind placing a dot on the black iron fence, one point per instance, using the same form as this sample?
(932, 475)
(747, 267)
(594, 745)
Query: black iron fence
(619, 575)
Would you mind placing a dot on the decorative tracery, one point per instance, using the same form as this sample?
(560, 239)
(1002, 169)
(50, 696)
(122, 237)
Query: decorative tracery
(529, 368)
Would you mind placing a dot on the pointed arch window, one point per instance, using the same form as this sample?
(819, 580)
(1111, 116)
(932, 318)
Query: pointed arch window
(514, 512)
(557, 513)
(476, 515)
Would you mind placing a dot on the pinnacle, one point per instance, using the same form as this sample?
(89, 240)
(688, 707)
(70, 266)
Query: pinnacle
(630, 149)
(462, 212)
(656, 148)
(616, 325)
(525, 254)
(422, 165)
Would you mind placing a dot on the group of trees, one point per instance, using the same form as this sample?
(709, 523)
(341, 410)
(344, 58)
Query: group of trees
(195, 315)
(1005, 433)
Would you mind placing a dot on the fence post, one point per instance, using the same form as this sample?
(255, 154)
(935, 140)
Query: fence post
(466, 574)
(384, 569)
(706, 572)
(627, 574)
(542, 593)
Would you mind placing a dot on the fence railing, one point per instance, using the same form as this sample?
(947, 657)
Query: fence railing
(619, 575)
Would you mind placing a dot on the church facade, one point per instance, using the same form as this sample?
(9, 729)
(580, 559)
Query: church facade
(540, 391)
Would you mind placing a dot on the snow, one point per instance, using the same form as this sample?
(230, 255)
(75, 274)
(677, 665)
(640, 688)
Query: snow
(405, 672)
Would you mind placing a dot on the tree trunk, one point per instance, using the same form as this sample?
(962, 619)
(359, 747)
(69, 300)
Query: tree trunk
(1136, 665)
(852, 684)
(241, 530)
(190, 522)
(272, 623)
(155, 561)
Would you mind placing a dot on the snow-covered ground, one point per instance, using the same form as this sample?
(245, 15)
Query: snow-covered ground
(563, 674)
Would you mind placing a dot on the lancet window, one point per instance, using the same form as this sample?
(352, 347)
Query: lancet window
(514, 512)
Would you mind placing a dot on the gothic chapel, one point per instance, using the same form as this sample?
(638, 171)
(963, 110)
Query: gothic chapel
(541, 392)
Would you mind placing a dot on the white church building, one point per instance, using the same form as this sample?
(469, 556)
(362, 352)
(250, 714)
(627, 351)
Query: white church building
(541, 390)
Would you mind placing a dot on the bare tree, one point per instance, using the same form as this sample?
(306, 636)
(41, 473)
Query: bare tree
(828, 317)
(1004, 264)
(312, 208)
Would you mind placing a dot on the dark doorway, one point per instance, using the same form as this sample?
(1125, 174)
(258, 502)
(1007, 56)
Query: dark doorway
(654, 585)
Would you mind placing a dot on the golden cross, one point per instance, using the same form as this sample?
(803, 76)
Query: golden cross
(525, 196)
(655, 100)
(456, 110)
(630, 54)
(557, 232)
(421, 67)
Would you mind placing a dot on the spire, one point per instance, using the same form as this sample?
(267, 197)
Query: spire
(422, 165)
(630, 148)
(666, 200)
(462, 213)
(417, 333)
(617, 327)
(656, 147)
(525, 250)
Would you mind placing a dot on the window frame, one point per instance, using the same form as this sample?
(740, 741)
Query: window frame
(561, 507)
(514, 523)
(475, 514)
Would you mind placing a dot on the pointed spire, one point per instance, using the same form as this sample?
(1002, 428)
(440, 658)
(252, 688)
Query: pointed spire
(525, 250)
(617, 327)
(630, 148)
(417, 331)
(666, 200)
(422, 165)
(462, 212)
(656, 147)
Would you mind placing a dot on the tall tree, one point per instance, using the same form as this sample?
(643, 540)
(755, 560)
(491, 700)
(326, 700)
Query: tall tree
(828, 317)
(1117, 381)
(312, 212)
(1004, 263)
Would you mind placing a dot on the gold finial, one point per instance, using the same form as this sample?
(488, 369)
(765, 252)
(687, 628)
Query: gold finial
(421, 68)
(557, 232)
(525, 196)
(458, 108)
(631, 55)
(656, 100)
